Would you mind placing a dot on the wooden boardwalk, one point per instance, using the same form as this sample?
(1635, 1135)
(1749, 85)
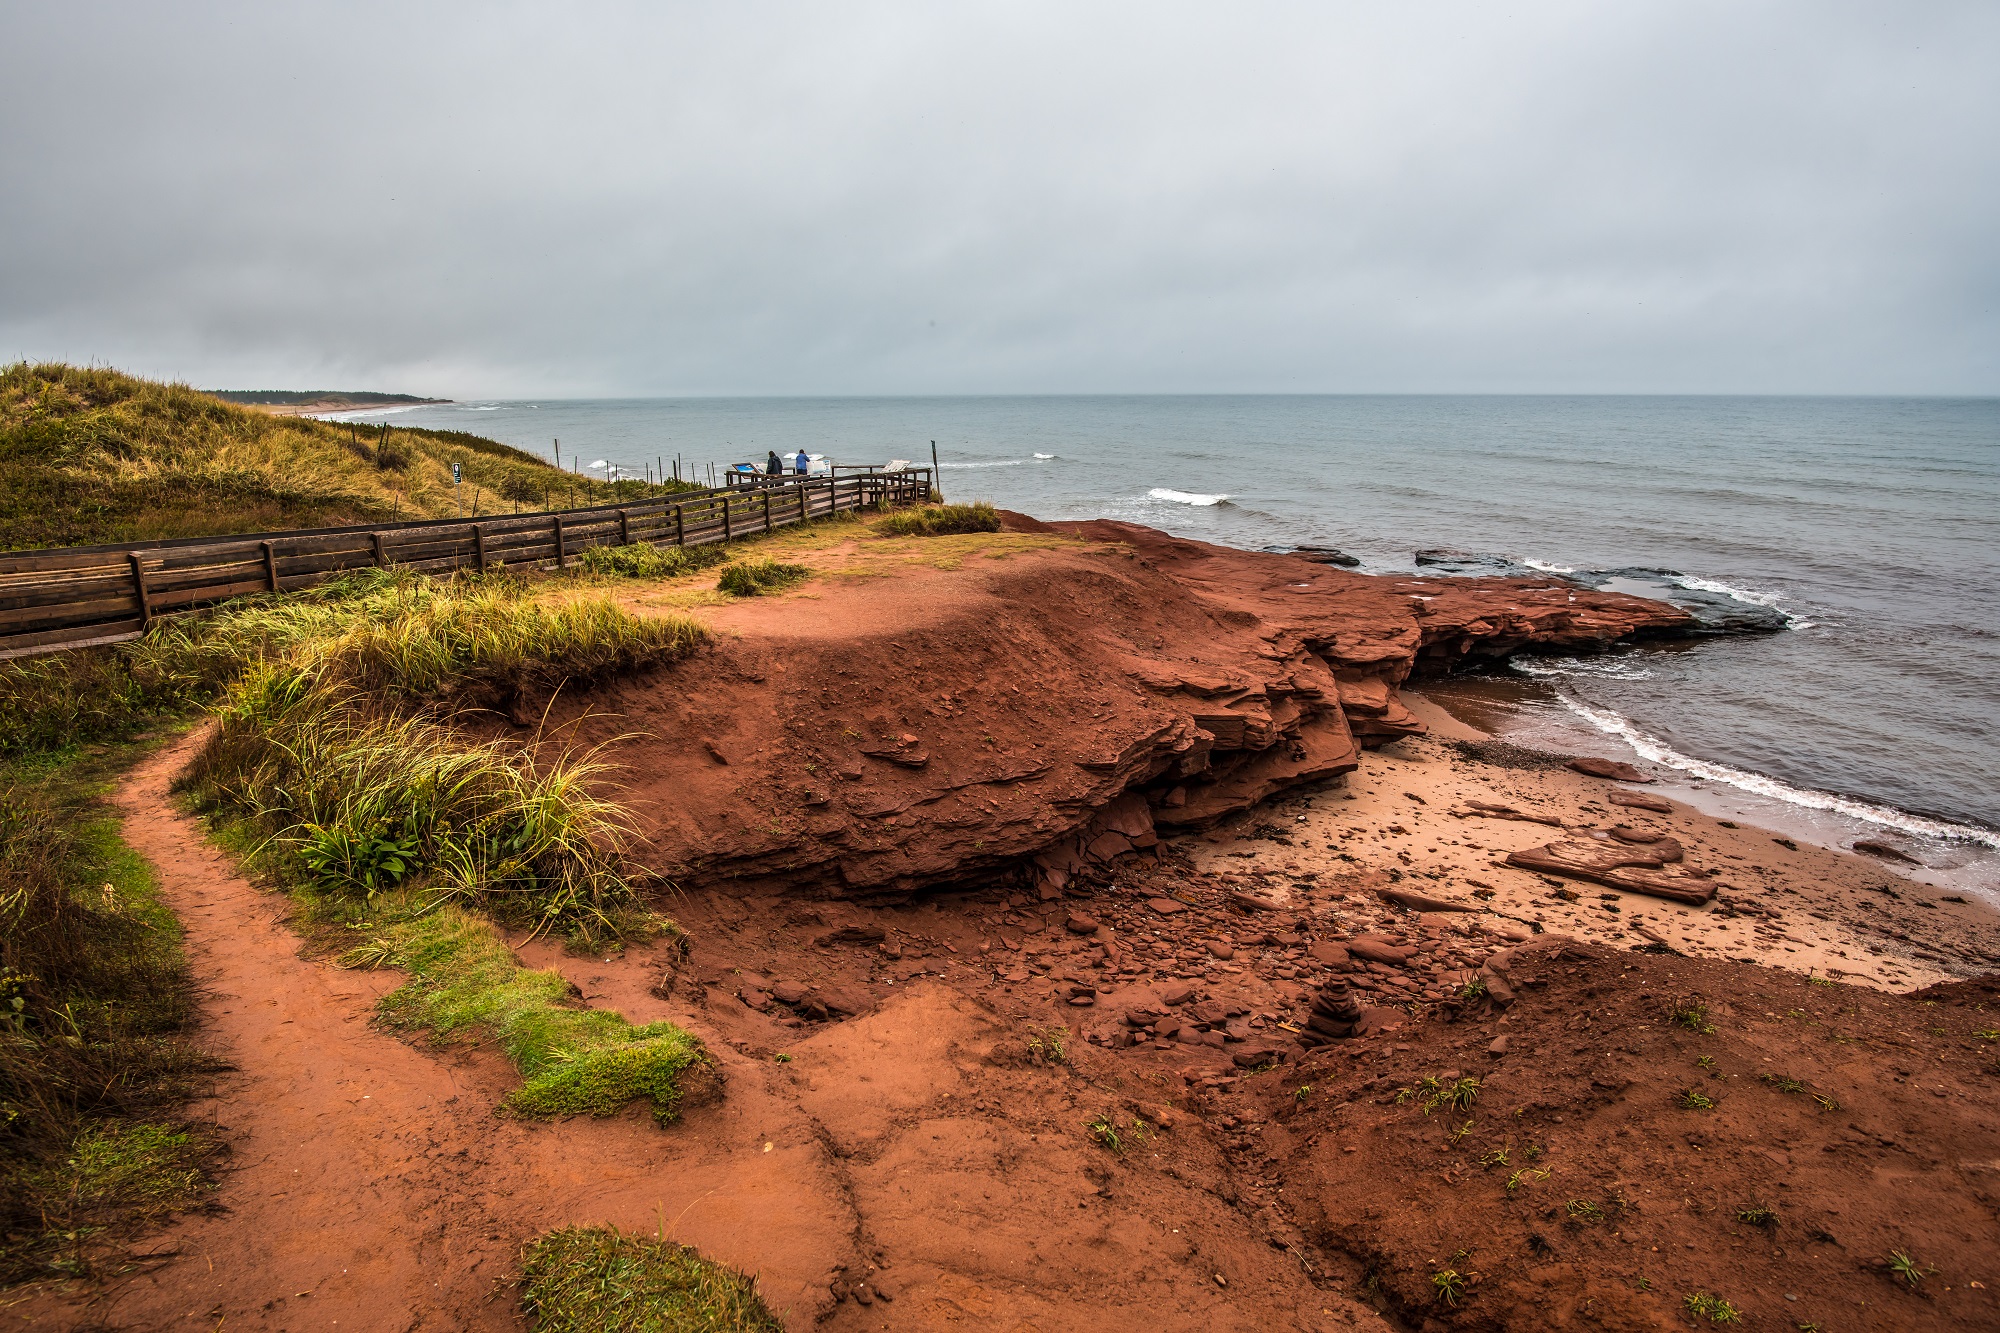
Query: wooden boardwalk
(78, 596)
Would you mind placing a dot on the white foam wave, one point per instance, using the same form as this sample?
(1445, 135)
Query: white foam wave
(354, 413)
(961, 467)
(1728, 590)
(1548, 568)
(1579, 666)
(1657, 750)
(1045, 456)
(1185, 497)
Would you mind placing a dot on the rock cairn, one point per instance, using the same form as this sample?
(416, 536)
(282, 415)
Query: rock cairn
(1335, 1012)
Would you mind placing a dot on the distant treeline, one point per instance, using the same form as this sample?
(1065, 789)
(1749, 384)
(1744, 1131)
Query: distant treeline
(302, 397)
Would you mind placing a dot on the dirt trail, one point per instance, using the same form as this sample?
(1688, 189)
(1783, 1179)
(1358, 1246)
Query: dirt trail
(372, 1186)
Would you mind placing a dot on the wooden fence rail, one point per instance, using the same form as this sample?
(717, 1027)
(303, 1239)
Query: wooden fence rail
(78, 596)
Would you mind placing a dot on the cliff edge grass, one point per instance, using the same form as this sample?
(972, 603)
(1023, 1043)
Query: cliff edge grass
(97, 1006)
(92, 456)
(338, 764)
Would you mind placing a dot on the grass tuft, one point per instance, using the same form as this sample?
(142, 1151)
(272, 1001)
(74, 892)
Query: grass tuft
(573, 1061)
(600, 1280)
(752, 578)
(939, 520)
(643, 560)
(1689, 1012)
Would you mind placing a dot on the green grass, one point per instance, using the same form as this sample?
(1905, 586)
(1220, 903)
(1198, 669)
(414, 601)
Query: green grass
(95, 1001)
(643, 560)
(1705, 1305)
(92, 455)
(939, 520)
(600, 1280)
(464, 982)
(356, 796)
(751, 578)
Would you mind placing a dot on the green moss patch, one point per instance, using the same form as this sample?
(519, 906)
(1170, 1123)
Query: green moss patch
(600, 1280)
(573, 1061)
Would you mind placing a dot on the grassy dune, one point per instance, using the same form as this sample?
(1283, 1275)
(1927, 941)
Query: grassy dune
(90, 456)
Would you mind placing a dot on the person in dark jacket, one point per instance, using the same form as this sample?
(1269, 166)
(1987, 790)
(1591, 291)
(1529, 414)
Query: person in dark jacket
(774, 467)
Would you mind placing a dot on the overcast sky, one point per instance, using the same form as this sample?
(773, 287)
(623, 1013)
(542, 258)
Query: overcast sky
(512, 200)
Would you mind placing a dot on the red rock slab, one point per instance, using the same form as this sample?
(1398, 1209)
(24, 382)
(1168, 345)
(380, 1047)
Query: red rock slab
(1375, 950)
(1639, 800)
(1490, 811)
(1613, 871)
(1608, 768)
(1421, 902)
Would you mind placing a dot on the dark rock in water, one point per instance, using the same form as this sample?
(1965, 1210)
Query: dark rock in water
(1476, 564)
(1327, 555)
(1607, 768)
(1713, 612)
(1887, 851)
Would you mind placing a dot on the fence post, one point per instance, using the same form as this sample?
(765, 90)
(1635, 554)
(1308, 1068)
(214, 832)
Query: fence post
(624, 530)
(680, 527)
(725, 521)
(767, 511)
(805, 512)
(562, 556)
(139, 583)
(375, 539)
(479, 546)
(270, 565)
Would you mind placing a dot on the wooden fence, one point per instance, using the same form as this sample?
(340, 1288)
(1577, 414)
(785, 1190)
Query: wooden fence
(78, 596)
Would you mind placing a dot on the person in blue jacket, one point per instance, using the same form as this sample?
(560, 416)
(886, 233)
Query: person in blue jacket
(802, 463)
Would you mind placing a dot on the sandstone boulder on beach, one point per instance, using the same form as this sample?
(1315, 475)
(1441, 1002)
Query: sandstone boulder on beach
(1639, 800)
(1421, 902)
(1607, 768)
(1617, 866)
(1375, 949)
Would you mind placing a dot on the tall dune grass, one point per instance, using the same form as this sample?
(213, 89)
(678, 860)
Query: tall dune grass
(90, 455)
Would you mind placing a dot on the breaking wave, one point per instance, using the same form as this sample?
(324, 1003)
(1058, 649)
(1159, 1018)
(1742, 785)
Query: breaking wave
(1186, 497)
(1887, 816)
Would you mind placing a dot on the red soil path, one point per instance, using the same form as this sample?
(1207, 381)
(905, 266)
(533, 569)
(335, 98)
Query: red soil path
(372, 1185)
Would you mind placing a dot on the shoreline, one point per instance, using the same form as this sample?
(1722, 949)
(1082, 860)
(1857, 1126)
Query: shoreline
(1803, 908)
(1952, 862)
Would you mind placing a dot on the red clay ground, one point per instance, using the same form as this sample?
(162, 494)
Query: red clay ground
(910, 1145)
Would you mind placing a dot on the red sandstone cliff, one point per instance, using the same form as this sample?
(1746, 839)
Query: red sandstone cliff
(1054, 704)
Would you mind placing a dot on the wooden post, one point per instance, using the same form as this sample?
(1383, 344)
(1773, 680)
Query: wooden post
(680, 527)
(805, 511)
(270, 565)
(375, 538)
(624, 529)
(139, 583)
(767, 510)
(562, 556)
(479, 546)
(725, 521)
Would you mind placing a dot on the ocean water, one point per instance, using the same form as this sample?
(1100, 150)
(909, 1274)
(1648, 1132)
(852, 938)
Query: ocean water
(1870, 523)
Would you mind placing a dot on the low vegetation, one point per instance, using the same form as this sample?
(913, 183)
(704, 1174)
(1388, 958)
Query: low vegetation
(938, 520)
(91, 456)
(464, 981)
(644, 560)
(600, 1280)
(751, 578)
(95, 1002)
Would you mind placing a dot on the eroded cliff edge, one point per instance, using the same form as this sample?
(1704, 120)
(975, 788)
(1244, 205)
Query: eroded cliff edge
(1042, 704)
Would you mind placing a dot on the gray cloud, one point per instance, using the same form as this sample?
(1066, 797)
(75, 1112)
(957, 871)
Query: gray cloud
(765, 198)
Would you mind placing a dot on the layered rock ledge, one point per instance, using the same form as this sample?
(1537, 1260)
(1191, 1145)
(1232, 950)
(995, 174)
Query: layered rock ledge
(1044, 703)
